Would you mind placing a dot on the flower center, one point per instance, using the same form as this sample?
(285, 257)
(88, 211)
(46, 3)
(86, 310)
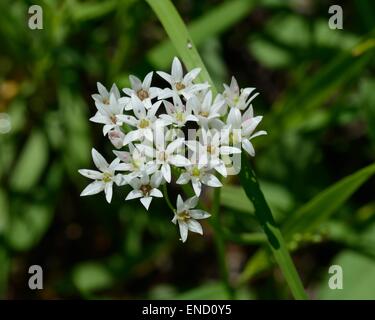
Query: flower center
(180, 86)
(210, 149)
(180, 117)
(107, 177)
(195, 172)
(113, 119)
(204, 113)
(105, 101)
(142, 94)
(145, 189)
(162, 156)
(184, 215)
(144, 123)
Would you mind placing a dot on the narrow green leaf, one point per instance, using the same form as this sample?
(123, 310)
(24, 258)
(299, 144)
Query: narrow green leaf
(211, 24)
(180, 37)
(321, 207)
(267, 222)
(31, 163)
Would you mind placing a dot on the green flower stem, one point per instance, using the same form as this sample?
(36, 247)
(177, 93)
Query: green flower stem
(220, 243)
(275, 238)
(166, 197)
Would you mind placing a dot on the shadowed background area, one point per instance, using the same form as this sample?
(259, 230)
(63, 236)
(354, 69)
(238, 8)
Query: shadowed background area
(317, 95)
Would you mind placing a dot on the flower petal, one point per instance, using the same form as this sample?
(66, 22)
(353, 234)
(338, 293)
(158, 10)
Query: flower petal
(108, 191)
(194, 226)
(91, 174)
(199, 214)
(183, 230)
(146, 201)
(93, 188)
(99, 160)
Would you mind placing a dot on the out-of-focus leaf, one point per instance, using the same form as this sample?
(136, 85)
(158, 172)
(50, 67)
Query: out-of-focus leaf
(279, 199)
(28, 224)
(77, 143)
(358, 273)
(321, 207)
(4, 211)
(367, 103)
(214, 22)
(269, 54)
(212, 291)
(31, 163)
(91, 276)
(83, 11)
(234, 197)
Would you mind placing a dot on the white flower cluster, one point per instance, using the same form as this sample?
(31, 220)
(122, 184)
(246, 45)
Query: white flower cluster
(154, 143)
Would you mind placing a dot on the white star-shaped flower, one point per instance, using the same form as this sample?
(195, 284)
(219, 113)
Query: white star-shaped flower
(107, 114)
(165, 156)
(210, 149)
(103, 96)
(180, 84)
(144, 121)
(187, 217)
(142, 90)
(238, 99)
(104, 178)
(177, 113)
(207, 111)
(135, 162)
(145, 188)
(242, 129)
(198, 174)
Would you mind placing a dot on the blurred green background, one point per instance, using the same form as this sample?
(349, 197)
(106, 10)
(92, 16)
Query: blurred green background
(318, 100)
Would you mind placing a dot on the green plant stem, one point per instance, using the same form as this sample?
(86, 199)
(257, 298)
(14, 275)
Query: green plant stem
(166, 196)
(220, 243)
(275, 238)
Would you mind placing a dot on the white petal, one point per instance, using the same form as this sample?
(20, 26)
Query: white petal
(134, 194)
(166, 171)
(92, 174)
(146, 201)
(179, 161)
(191, 202)
(183, 230)
(226, 150)
(259, 133)
(221, 169)
(93, 188)
(167, 77)
(108, 191)
(189, 77)
(102, 90)
(99, 160)
(174, 145)
(197, 186)
(99, 118)
(176, 69)
(156, 193)
(210, 180)
(180, 204)
(135, 83)
(194, 226)
(132, 136)
(184, 178)
(199, 214)
(248, 147)
(147, 81)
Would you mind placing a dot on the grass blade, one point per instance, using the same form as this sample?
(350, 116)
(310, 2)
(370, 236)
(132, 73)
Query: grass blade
(273, 233)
